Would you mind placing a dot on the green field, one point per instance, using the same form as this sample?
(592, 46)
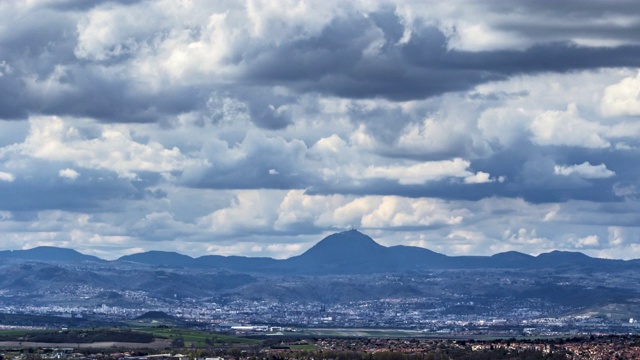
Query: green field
(198, 338)
(83, 336)
(19, 332)
(190, 338)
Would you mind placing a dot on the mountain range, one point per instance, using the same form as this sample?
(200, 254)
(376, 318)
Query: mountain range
(349, 252)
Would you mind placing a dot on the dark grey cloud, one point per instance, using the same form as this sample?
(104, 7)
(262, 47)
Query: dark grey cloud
(93, 191)
(334, 62)
(265, 107)
(550, 21)
(30, 51)
(13, 102)
(113, 99)
(265, 163)
(384, 124)
(342, 60)
(40, 54)
(81, 5)
(553, 57)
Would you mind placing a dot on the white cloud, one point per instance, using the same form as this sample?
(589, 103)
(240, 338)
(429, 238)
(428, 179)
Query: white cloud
(616, 236)
(621, 243)
(432, 136)
(85, 233)
(298, 209)
(290, 18)
(552, 214)
(69, 174)
(115, 149)
(332, 144)
(5, 176)
(589, 241)
(622, 98)
(277, 210)
(393, 211)
(112, 31)
(567, 128)
(424, 172)
(479, 178)
(171, 41)
(479, 36)
(585, 170)
(627, 252)
(250, 211)
(505, 125)
(466, 235)
(524, 237)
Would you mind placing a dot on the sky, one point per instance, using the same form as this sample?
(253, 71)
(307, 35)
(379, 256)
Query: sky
(259, 127)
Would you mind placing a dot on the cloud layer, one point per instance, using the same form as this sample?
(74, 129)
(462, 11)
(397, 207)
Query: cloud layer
(248, 128)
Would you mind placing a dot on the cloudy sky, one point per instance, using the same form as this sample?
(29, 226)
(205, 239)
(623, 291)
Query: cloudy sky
(258, 127)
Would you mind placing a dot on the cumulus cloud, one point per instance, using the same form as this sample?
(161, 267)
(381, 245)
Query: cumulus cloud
(591, 241)
(567, 128)
(5, 176)
(427, 171)
(69, 174)
(295, 211)
(479, 178)
(585, 170)
(622, 98)
(524, 237)
(212, 127)
(51, 138)
(504, 125)
(401, 212)
(250, 211)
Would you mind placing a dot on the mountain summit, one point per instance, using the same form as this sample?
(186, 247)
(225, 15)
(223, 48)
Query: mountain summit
(346, 252)
(352, 252)
(344, 246)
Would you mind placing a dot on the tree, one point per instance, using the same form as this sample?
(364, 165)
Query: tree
(177, 343)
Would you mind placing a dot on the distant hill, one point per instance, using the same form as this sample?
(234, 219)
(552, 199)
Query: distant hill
(348, 252)
(47, 254)
(173, 259)
(159, 258)
(155, 315)
(111, 279)
(237, 263)
(569, 258)
(512, 259)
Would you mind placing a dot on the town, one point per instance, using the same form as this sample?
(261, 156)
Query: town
(413, 316)
(354, 348)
